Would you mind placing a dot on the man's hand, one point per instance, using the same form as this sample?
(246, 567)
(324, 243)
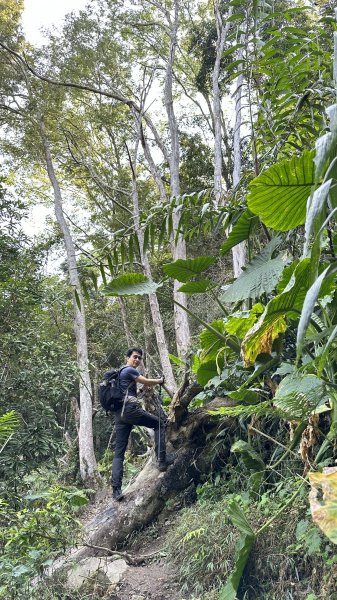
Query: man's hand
(162, 381)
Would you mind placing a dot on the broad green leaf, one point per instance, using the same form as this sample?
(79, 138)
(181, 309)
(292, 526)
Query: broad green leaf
(324, 511)
(259, 277)
(131, 284)
(239, 326)
(210, 342)
(241, 231)
(207, 371)
(260, 338)
(309, 303)
(197, 287)
(183, 270)
(299, 395)
(243, 548)
(279, 195)
(250, 457)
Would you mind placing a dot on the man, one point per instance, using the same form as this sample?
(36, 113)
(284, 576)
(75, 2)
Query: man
(131, 413)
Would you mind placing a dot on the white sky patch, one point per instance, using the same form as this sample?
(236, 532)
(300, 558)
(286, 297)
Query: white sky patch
(39, 14)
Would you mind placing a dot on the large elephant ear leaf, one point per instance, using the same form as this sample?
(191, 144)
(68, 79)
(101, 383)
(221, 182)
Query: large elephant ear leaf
(130, 284)
(261, 336)
(259, 277)
(241, 231)
(279, 195)
(184, 270)
(299, 395)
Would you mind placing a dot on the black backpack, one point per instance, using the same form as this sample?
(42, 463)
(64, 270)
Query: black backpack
(109, 392)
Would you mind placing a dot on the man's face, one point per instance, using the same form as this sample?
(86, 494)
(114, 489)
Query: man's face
(134, 360)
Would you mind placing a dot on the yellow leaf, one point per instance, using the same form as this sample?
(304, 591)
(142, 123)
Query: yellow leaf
(260, 337)
(323, 501)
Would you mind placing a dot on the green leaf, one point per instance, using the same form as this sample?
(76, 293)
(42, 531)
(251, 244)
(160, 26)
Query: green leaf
(123, 253)
(241, 231)
(239, 326)
(326, 145)
(299, 395)
(260, 410)
(259, 277)
(245, 396)
(279, 195)
(101, 268)
(309, 303)
(146, 239)
(207, 371)
(9, 422)
(78, 300)
(210, 342)
(131, 284)
(176, 360)
(250, 457)
(183, 270)
(111, 266)
(243, 548)
(131, 252)
(197, 287)
(260, 338)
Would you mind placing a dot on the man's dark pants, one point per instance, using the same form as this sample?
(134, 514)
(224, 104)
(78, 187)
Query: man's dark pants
(134, 415)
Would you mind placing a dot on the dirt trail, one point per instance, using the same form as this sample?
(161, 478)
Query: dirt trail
(153, 579)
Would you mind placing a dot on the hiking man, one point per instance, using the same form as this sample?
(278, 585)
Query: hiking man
(131, 413)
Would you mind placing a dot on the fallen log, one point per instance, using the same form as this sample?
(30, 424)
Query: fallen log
(146, 497)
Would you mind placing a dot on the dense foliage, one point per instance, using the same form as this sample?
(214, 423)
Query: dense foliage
(80, 107)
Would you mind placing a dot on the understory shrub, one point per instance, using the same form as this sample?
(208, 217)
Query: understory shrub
(31, 537)
(291, 559)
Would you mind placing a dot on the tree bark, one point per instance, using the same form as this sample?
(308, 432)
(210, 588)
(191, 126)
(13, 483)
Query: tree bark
(153, 300)
(222, 31)
(181, 324)
(88, 466)
(239, 251)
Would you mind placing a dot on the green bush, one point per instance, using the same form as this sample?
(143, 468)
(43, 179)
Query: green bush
(31, 537)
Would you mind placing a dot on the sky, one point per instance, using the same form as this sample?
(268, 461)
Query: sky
(44, 13)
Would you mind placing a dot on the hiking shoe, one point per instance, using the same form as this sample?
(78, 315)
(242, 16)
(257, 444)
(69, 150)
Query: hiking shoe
(169, 460)
(117, 494)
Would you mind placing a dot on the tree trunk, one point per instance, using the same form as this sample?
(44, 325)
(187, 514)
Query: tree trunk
(88, 466)
(239, 251)
(178, 244)
(222, 31)
(153, 300)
